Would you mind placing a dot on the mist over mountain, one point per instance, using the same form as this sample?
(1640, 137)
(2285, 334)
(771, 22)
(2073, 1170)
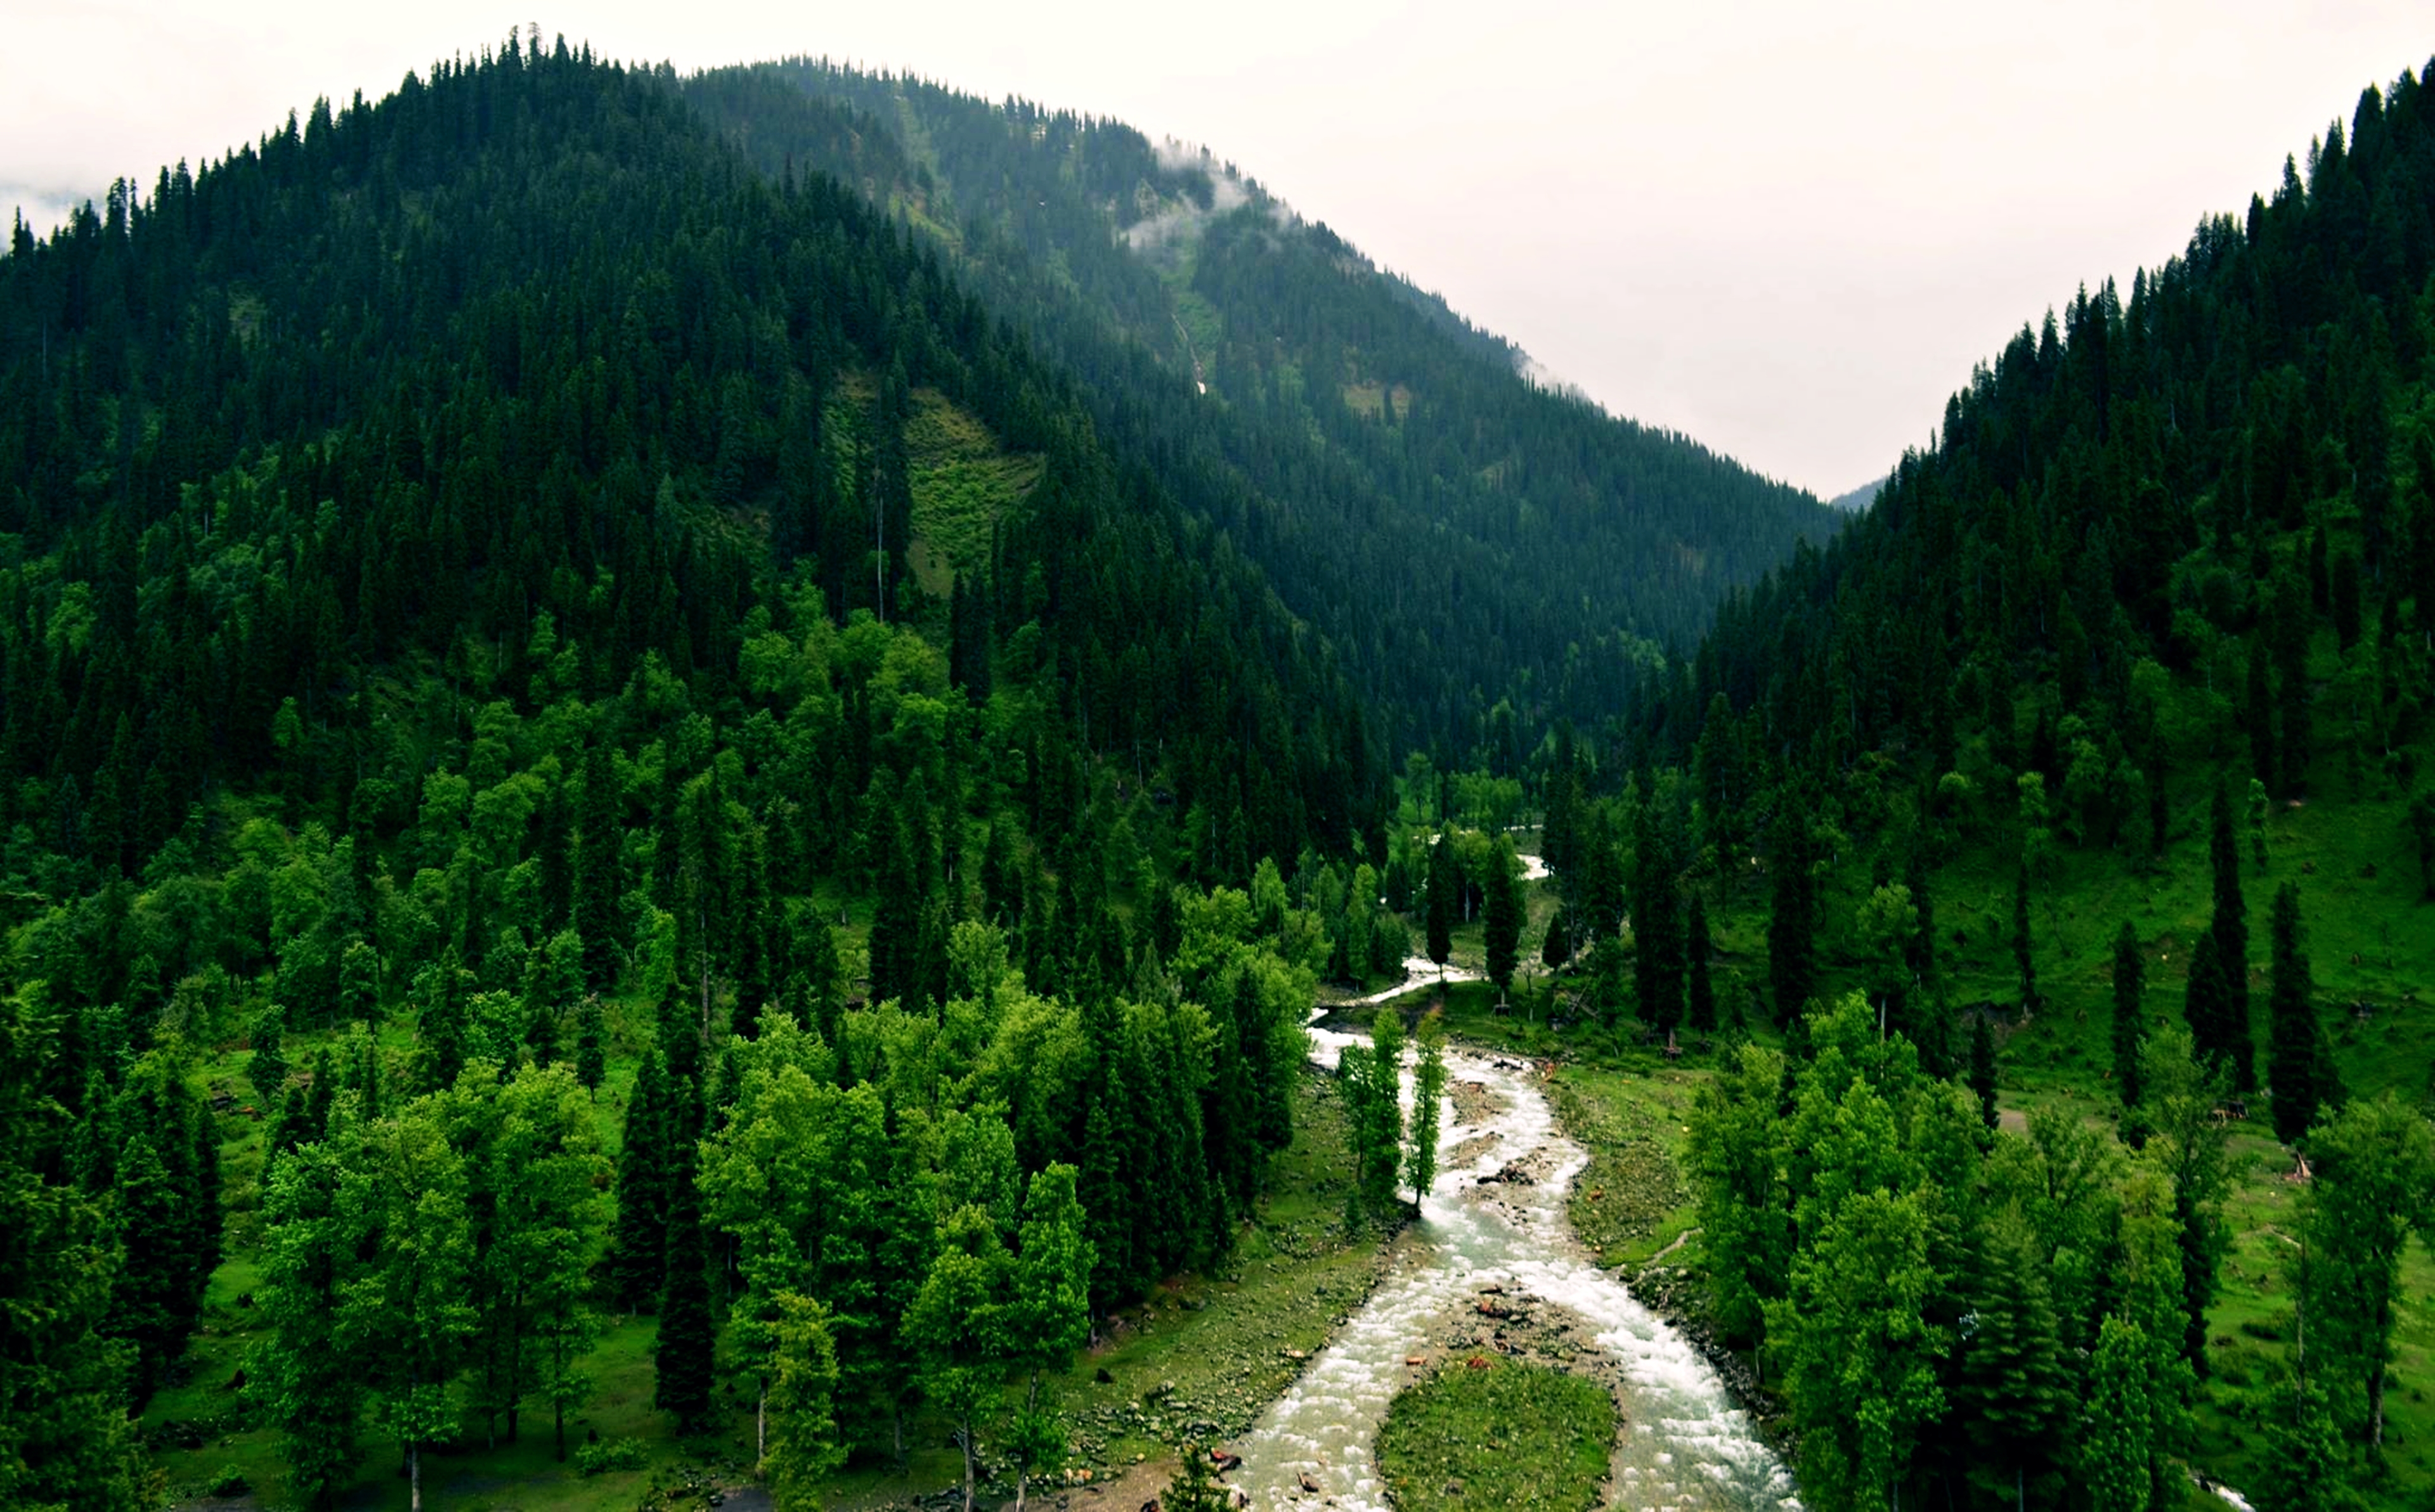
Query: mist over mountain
(1463, 535)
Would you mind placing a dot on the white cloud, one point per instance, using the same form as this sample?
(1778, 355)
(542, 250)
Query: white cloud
(1787, 229)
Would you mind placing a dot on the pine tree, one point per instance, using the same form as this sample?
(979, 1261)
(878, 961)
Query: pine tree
(2130, 1024)
(1558, 947)
(2293, 1032)
(1983, 1068)
(2010, 1391)
(1504, 921)
(2228, 933)
(597, 881)
(638, 1263)
(590, 1044)
(1702, 994)
(681, 1360)
(146, 1304)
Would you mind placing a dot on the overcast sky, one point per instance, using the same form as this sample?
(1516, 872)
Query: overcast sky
(1787, 228)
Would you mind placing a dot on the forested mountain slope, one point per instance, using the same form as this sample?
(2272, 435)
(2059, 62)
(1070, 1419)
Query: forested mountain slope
(1464, 537)
(2088, 770)
(509, 616)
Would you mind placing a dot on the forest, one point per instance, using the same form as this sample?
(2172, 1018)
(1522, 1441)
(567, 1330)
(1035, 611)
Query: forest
(714, 737)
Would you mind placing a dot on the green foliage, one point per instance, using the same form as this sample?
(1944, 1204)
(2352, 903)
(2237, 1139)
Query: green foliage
(612, 1454)
(804, 1445)
(2373, 1184)
(1428, 1089)
(1510, 1436)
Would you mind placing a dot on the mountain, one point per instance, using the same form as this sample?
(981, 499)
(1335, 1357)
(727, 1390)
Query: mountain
(1858, 500)
(2071, 815)
(502, 600)
(1464, 537)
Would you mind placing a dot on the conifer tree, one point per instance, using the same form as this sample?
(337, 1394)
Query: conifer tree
(1700, 994)
(1503, 916)
(1558, 947)
(2010, 1391)
(2228, 933)
(590, 1044)
(1441, 900)
(1983, 1068)
(2293, 1032)
(2130, 1024)
(146, 1304)
(638, 1263)
(681, 1360)
(596, 882)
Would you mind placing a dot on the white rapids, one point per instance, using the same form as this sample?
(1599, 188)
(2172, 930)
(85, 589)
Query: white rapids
(1684, 1447)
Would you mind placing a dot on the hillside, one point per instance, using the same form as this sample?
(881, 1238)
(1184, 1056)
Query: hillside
(1464, 538)
(2080, 789)
(539, 672)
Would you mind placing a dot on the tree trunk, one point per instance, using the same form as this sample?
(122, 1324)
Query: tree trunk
(414, 1472)
(761, 1427)
(964, 1440)
(515, 1368)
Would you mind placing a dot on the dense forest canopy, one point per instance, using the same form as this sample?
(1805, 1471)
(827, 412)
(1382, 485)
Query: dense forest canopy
(2150, 628)
(759, 700)
(494, 586)
(1487, 556)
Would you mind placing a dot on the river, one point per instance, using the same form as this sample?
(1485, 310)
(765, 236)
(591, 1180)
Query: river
(1685, 1445)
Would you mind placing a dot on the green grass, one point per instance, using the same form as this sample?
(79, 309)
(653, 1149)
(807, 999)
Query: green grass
(1507, 1435)
(962, 482)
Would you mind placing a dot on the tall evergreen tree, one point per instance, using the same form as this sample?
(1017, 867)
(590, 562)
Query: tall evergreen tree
(639, 1259)
(1983, 1068)
(2293, 1032)
(2228, 933)
(1504, 915)
(1701, 993)
(682, 1359)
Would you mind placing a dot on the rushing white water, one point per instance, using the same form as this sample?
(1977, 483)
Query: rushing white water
(1685, 1445)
